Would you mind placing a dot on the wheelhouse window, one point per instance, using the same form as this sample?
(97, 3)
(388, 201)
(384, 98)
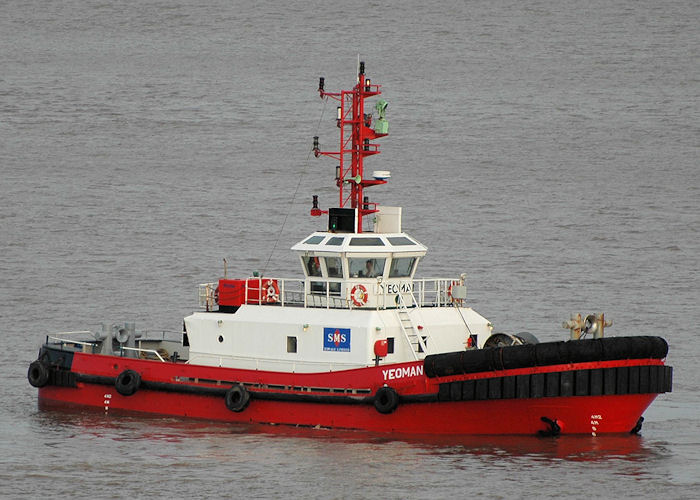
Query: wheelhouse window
(366, 242)
(401, 267)
(312, 266)
(364, 267)
(334, 266)
(335, 241)
(314, 240)
(400, 241)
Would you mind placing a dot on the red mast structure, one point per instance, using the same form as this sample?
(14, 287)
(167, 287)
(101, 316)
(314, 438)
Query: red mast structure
(356, 134)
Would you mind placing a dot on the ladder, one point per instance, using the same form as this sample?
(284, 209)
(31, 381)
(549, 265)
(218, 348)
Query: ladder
(413, 337)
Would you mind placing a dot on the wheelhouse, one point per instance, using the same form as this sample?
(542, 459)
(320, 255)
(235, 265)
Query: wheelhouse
(362, 266)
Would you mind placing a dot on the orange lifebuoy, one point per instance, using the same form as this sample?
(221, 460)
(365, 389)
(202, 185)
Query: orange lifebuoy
(272, 292)
(358, 294)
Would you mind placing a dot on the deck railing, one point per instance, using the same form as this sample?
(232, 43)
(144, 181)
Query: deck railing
(90, 346)
(336, 293)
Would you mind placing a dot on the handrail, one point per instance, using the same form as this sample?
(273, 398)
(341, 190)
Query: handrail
(79, 332)
(137, 349)
(71, 341)
(419, 337)
(92, 343)
(426, 292)
(404, 310)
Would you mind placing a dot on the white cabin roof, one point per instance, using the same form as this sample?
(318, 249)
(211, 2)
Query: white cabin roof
(394, 243)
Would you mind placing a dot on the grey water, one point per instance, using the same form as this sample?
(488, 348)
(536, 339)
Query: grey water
(550, 150)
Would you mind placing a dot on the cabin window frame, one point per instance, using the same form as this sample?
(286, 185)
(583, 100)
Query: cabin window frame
(357, 264)
(411, 270)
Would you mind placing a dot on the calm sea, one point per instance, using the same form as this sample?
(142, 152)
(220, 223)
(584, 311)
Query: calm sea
(549, 149)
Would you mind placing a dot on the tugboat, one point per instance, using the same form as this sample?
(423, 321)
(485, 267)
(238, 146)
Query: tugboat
(359, 342)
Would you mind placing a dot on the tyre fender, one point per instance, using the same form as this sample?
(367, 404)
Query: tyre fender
(386, 400)
(38, 373)
(237, 398)
(127, 383)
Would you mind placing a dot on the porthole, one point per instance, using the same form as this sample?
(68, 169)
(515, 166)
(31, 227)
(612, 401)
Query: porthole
(221, 338)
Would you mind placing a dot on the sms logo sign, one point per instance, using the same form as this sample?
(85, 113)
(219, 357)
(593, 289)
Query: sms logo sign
(336, 339)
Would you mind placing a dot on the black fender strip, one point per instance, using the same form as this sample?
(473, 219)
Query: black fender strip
(646, 379)
(544, 354)
(221, 391)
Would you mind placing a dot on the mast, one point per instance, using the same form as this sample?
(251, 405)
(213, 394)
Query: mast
(356, 136)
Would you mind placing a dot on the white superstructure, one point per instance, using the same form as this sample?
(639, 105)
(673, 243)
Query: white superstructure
(358, 289)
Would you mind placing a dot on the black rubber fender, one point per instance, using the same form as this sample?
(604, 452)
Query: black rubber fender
(444, 365)
(516, 356)
(237, 398)
(544, 354)
(552, 353)
(585, 350)
(660, 347)
(386, 400)
(617, 348)
(38, 373)
(476, 360)
(127, 382)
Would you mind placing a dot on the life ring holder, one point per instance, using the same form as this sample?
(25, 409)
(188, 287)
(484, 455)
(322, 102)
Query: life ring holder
(272, 292)
(449, 293)
(359, 295)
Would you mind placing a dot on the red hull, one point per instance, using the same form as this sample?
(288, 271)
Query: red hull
(592, 414)
(618, 414)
